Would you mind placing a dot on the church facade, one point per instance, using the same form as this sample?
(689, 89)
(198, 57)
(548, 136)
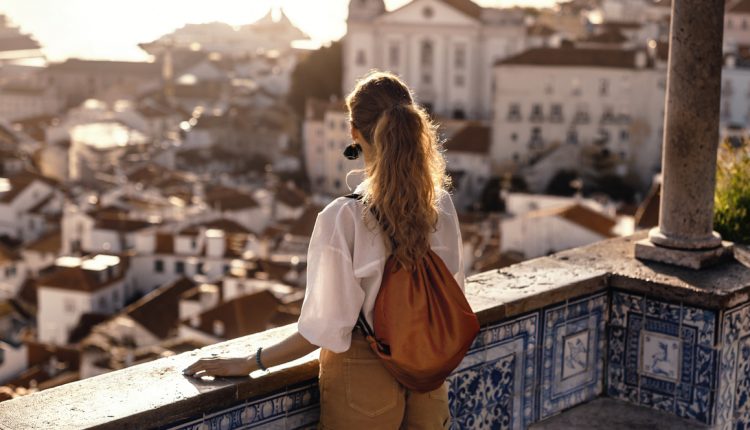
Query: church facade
(444, 49)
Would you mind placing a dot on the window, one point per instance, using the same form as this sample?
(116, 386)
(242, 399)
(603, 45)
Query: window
(179, 267)
(555, 113)
(193, 243)
(576, 87)
(344, 125)
(603, 87)
(361, 59)
(459, 81)
(69, 305)
(514, 137)
(427, 12)
(199, 268)
(744, 24)
(536, 112)
(427, 78)
(536, 141)
(427, 54)
(226, 268)
(460, 57)
(624, 135)
(159, 266)
(115, 297)
(102, 303)
(572, 137)
(394, 54)
(337, 184)
(459, 114)
(514, 112)
(608, 114)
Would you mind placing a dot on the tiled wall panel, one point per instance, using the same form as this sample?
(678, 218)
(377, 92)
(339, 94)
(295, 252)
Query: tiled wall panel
(573, 351)
(662, 355)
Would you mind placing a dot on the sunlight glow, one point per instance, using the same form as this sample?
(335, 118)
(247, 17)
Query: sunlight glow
(112, 30)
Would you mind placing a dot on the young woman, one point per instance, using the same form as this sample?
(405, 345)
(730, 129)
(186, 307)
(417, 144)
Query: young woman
(405, 184)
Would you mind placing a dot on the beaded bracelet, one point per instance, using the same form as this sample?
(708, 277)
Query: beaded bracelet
(257, 360)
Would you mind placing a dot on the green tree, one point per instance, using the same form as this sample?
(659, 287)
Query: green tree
(732, 198)
(318, 75)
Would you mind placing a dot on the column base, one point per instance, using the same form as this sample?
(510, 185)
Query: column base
(693, 259)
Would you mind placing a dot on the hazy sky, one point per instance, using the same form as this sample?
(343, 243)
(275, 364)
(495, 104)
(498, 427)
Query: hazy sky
(110, 29)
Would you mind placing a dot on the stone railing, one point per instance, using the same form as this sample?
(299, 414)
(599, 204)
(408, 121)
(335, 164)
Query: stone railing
(557, 332)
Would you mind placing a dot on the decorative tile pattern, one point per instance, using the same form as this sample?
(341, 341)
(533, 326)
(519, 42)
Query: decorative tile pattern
(573, 350)
(493, 387)
(662, 355)
(733, 404)
(296, 408)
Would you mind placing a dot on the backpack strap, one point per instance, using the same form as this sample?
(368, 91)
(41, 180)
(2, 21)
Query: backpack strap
(361, 320)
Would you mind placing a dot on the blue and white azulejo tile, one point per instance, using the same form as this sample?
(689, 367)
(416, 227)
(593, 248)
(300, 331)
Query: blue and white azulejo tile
(662, 355)
(573, 351)
(295, 408)
(493, 387)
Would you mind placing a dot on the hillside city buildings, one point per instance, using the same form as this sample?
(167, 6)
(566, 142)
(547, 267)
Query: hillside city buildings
(148, 209)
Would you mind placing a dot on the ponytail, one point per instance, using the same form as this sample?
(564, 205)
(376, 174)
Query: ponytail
(406, 170)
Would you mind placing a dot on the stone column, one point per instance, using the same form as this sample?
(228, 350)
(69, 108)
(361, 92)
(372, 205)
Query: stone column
(685, 233)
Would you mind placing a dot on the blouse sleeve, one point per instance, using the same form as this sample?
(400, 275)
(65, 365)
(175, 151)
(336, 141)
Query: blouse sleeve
(333, 296)
(458, 245)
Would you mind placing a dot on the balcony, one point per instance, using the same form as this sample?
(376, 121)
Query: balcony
(557, 332)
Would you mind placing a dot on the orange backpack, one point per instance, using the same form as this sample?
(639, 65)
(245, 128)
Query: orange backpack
(423, 322)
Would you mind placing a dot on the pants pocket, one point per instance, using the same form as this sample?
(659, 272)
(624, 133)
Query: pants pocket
(370, 389)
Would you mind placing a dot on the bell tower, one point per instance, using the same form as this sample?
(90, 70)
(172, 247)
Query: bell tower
(365, 10)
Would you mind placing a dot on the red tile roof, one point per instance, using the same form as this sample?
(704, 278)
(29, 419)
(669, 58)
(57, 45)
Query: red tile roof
(742, 6)
(582, 216)
(50, 242)
(290, 195)
(19, 182)
(468, 7)
(224, 198)
(18, 43)
(241, 316)
(78, 279)
(303, 226)
(473, 137)
(573, 57)
(159, 310)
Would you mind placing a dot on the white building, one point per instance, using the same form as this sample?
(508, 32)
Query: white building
(12, 273)
(609, 102)
(13, 360)
(18, 101)
(444, 50)
(77, 286)
(545, 231)
(737, 24)
(274, 31)
(468, 162)
(326, 134)
(23, 204)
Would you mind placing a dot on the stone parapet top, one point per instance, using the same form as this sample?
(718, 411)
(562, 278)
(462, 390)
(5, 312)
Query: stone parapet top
(155, 394)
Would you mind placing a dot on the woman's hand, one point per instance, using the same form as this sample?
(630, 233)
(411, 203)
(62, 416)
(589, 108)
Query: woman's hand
(221, 366)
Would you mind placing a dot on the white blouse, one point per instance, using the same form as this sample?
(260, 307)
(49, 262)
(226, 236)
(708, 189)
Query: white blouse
(345, 264)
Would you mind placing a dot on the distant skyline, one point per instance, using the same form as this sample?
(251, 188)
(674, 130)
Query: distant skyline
(107, 29)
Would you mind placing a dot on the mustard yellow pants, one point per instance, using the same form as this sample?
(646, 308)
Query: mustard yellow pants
(358, 393)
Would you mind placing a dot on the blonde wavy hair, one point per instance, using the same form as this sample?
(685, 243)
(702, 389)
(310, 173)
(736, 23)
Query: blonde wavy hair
(406, 170)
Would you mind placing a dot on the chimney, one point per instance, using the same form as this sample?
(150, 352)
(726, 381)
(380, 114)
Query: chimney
(215, 243)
